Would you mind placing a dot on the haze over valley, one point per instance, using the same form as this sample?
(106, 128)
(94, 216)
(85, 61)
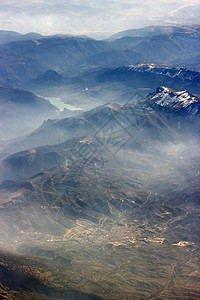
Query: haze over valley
(99, 150)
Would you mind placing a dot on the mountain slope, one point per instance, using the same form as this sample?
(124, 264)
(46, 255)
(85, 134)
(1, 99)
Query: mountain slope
(113, 58)
(23, 277)
(160, 116)
(129, 219)
(169, 48)
(61, 130)
(21, 112)
(176, 101)
(149, 75)
(111, 214)
(10, 36)
(57, 131)
(23, 61)
(151, 31)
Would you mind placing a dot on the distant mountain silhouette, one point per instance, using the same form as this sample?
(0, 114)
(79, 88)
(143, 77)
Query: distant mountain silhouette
(21, 111)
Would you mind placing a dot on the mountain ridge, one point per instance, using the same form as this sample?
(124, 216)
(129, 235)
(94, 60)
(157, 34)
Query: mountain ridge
(158, 116)
(26, 60)
(152, 75)
(21, 111)
(155, 30)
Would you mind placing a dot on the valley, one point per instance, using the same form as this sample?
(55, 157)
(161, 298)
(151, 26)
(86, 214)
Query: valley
(100, 165)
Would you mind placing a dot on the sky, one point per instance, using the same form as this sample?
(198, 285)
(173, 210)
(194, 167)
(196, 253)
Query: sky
(96, 18)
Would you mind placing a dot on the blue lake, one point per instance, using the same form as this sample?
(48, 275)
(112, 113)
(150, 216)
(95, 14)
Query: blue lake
(60, 104)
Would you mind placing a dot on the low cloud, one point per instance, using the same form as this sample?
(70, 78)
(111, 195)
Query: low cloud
(95, 18)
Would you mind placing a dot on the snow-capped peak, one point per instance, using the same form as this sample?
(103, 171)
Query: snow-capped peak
(167, 97)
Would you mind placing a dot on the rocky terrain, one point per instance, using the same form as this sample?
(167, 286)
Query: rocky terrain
(100, 165)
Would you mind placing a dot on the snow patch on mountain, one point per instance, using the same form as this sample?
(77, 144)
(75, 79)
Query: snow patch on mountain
(167, 97)
(164, 70)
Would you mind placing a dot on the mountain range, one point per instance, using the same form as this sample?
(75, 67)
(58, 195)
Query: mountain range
(160, 116)
(100, 165)
(101, 203)
(152, 75)
(21, 61)
(21, 112)
(151, 31)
